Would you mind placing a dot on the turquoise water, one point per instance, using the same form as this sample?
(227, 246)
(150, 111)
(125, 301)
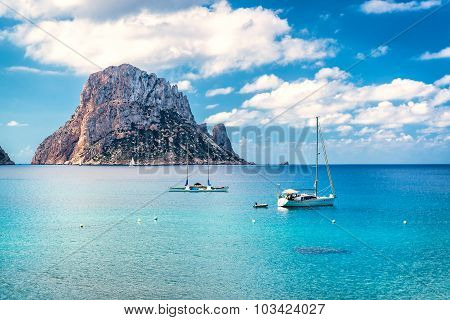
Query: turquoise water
(206, 246)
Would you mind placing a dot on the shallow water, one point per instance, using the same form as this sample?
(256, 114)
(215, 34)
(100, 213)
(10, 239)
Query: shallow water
(206, 246)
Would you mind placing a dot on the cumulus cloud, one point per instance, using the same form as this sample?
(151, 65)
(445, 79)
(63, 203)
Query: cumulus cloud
(444, 81)
(444, 53)
(344, 106)
(294, 49)
(264, 82)
(388, 115)
(185, 85)
(26, 69)
(206, 40)
(236, 117)
(14, 123)
(398, 89)
(344, 129)
(219, 91)
(331, 73)
(99, 9)
(365, 130)
(389, 6)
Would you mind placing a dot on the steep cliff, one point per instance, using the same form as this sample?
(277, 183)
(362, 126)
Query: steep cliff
(220, 136)
(126, 113)
(4, 158)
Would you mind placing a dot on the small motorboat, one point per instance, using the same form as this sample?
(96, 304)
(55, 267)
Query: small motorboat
(260, 205)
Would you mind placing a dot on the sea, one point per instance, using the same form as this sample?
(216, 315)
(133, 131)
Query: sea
(104, 232)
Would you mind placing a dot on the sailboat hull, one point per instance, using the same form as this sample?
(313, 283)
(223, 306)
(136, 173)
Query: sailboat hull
(318, 202)
(197, 190)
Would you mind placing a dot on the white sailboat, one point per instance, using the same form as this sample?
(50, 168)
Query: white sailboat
(132, 163)
(197, 187)
(294, 198)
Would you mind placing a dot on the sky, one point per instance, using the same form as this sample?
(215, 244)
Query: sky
(376, 72)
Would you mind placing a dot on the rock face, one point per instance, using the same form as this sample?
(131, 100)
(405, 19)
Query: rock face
(4, 158)
(126, 113)
(220, 137)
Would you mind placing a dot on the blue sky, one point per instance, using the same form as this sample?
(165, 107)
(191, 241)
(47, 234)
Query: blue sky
(390, 108)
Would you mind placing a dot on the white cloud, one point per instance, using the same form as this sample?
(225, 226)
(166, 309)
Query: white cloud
(389, 136)
(212, 106)
(331, 73)
(235, 117)
(442, 120)
(219, 91)
(344, 129)
(344, 106)
(32, 70)
(387, 115)
(398, 89)
(444, 81)
(99, 9)
(294, 49)
(185, 85)
(388, 6)
(207, 40)
(380, 51)
(365, 130)
(444, 53)
(262, 83)
(14, 123)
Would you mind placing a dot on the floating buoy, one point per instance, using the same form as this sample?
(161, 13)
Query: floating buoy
(138, 220)
(155, 218)
(81, 226)
(253, 220)
(405, 222)
(333, 221)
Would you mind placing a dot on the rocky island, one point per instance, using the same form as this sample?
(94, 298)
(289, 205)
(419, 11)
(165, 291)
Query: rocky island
(4, 158)
(127, 114)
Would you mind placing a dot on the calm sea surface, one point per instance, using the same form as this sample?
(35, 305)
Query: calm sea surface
(207, 246)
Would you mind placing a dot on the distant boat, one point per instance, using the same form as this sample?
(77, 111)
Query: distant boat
(80, 163)
(294, 198)
(132, 163)
(197, 187)
(260, 205)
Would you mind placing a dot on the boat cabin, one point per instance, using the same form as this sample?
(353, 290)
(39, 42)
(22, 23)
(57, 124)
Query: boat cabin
(291, 194)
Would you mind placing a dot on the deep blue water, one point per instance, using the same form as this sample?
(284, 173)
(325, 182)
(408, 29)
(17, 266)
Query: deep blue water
(206, 246)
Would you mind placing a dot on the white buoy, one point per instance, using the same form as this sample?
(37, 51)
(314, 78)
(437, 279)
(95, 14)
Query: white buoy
(405, 222)
(333, 221)
(253, 220)
(138, 220)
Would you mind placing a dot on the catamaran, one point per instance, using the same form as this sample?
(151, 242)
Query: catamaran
(197, 187)
(294, 198)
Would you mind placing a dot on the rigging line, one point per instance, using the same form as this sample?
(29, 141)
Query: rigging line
(51, 35)
(326, 161)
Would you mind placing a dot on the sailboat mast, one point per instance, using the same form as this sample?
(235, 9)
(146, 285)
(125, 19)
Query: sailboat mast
(317, 155)
(187, 165)
(208, 166)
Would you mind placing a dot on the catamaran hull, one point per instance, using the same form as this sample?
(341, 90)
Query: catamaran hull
(319, 202)
(198, 190)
